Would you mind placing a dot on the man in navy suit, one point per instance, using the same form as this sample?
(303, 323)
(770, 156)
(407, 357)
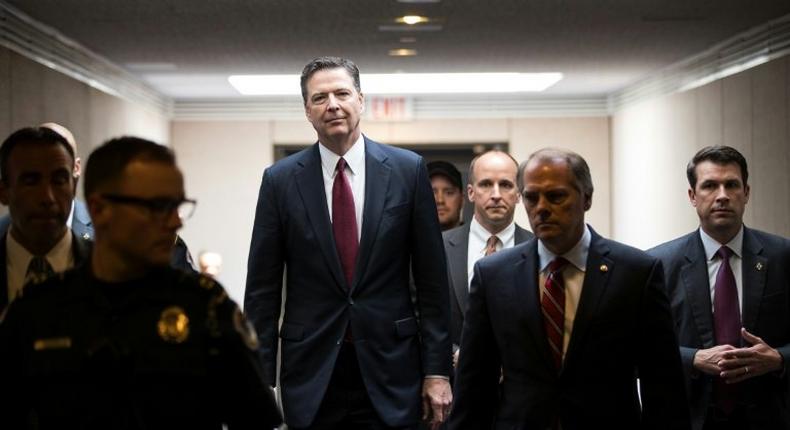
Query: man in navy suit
(38, 186)
(344, 220)
(572, 320)
(729, 287)
(493, 192)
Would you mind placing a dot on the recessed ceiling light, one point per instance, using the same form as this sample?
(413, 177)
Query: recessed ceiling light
(412, 19)
(408, 83)
(402, 52)
(408, 39)
(410, 28)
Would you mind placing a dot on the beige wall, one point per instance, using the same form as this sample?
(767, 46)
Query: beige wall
(652, 142)
(223, 162)
(31, 94)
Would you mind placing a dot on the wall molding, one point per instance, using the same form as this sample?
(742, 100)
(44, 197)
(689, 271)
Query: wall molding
(741, 52)
(45, 45)
(444, 107)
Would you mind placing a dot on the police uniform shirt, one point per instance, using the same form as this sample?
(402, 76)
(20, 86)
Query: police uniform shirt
(168, 350)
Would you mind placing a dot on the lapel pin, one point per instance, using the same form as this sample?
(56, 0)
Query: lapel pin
(604, 268)
(86, 236)
(759, 266)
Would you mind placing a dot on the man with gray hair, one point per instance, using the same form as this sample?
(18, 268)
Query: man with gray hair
(572, 320)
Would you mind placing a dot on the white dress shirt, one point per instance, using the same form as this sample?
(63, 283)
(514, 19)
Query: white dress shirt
(736, 263)
(478, 241)
(573, 277)
(60, 257)
(355, 173)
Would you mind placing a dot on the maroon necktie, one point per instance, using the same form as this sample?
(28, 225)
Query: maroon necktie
(553, 306)
(727, 323)
(491, 245)
(344, 222)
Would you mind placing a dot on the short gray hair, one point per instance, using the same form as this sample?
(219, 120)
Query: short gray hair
(579, 167)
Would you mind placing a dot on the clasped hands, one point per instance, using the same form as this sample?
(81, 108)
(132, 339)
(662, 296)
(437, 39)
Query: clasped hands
(734, 365)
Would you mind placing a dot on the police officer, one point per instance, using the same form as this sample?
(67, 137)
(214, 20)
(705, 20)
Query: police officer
(126, 341)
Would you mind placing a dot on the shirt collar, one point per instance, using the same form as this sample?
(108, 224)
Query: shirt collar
(355, 157)
(480, 233)
(58, 256)
(712, 246)
(576, 255)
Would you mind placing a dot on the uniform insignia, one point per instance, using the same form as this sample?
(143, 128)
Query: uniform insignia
(173, 325)
(52, 343)
(759, 266)
(86, 236)
(604, 268)
(245, 330)
(207, 282)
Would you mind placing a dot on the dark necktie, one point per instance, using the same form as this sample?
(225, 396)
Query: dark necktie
(38, 270)
(491, 245)
(727, 324)
(553, 307)
(344, 222)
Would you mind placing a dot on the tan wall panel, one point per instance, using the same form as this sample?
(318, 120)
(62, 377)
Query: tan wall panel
(223, 163)
(27, 99)
(710, 114)
(769, 159)
(5, 92)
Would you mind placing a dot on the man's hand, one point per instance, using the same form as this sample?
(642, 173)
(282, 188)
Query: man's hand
(743, 363)
(436, 400)
(707, 360)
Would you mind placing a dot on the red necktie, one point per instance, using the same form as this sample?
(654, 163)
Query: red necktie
(344, 222)
(726, 323)
(553, 306)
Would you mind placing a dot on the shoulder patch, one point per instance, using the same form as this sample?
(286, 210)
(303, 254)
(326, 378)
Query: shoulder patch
(207, 282)
(245, 329)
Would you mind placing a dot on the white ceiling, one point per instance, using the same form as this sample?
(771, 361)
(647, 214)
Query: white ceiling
(186, 49)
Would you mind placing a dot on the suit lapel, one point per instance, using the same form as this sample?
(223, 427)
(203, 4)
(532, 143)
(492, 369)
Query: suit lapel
(310, 183)
(520, 235)
(81, 223)
(377, 181)
(753, 271)
(457, 262)
(694, 276)
(526, 280)
(596, 280)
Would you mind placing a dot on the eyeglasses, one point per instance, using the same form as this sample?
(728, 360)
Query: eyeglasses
(158, 208)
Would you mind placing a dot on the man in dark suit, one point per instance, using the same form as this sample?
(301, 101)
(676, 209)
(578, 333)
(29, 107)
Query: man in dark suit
(38, 186)
(493, 192)
(730, 296)
(345, 219)
(571, 318)
(79, 219)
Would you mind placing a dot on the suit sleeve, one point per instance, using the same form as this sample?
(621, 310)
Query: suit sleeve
(663, 392)
(477, 376)
(429, 269)
(263, 292)
(14, 409)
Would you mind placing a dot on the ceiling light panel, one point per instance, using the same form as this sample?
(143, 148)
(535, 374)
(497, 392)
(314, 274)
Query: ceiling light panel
(408, 83)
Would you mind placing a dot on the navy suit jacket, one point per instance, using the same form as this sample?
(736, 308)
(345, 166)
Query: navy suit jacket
(293, 234)
(622, 330)
(765, 313)
(456, 248)
(80, 248)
